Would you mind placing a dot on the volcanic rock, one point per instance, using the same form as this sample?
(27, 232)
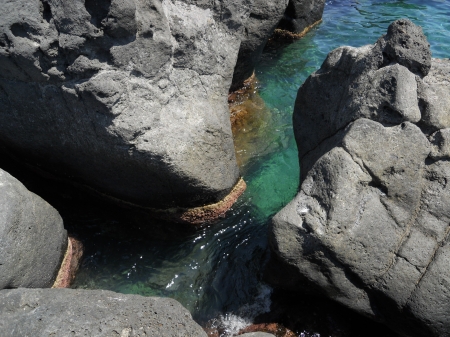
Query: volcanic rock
(128, 98)
(369, 227)
(67, 312)
(33, 240)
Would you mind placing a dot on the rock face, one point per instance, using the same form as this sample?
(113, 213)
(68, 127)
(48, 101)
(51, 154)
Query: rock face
(32, 237)
(369, 227)
(67, 312)
(265, 17)
(127, 97)
(300, 14)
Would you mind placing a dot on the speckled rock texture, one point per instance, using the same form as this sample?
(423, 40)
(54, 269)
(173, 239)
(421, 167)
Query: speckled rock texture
(369, 227)
(32, 237)
(75, 312)
(127, 97)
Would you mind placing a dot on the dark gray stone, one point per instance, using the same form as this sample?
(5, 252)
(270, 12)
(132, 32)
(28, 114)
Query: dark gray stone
(364, 82)
(301, 14)
(264, 18)
(126, 97)
(32, 237)
(75, 312)
(369, 227)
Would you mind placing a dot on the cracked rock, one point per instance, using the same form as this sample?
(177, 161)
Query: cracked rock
(369, 227)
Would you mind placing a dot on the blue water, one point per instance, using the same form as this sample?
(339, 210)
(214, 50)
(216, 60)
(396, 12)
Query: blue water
(218, 270)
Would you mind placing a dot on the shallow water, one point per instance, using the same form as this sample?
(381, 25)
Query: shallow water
(217, 271)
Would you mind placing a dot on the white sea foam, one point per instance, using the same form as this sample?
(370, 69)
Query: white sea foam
(232, 323)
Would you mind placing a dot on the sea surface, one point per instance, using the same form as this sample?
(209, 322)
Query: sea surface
(217, 272)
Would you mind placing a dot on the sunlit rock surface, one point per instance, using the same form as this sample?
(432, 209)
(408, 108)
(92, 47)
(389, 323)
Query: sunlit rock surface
(66, 312)
(126, 97)
(369, 227)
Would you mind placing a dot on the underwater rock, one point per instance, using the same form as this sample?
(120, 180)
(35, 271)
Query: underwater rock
(127, 98)
(64, 312)
(32, 237)
(369, 227)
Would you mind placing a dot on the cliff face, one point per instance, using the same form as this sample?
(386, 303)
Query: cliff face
(369, 227)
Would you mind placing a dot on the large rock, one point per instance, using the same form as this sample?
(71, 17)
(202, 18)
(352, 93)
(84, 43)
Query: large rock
(69, 312)
(33, 240)
(369, 227)
(126, 97)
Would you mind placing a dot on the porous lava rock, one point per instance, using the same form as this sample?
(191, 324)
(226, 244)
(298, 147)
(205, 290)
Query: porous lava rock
(33, 240)
(126, 97)
(77, 312)
(369, 227)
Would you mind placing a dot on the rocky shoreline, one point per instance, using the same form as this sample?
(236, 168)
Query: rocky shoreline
(126, 100)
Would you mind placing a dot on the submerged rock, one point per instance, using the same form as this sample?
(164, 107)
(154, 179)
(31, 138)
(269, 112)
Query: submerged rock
(369, 227)
(33, 240)
(127, 97)
(64, 312)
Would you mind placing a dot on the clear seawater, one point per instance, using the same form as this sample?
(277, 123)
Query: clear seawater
(217, 270)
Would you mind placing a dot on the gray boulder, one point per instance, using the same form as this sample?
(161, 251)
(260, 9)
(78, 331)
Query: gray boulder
(301, 14)
(32, 237)
(126, 97)
(369, 227)
(74, 312)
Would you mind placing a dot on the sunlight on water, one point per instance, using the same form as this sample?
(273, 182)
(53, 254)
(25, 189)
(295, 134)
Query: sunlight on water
(216, 272)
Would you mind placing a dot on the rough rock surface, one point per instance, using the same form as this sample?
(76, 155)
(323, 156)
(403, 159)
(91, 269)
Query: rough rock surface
(300, 14)
(263, 19)
(32, 237)
(74, 312)
(369, 227)
(128, 97)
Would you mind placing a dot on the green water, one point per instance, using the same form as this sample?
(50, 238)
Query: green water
(218, 270)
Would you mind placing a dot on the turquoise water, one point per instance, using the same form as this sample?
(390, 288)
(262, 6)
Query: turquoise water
(218, 270)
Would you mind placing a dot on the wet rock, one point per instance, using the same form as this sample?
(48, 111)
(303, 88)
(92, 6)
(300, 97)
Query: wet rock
(369, 227)
(32, 312)
(128, 98)
(33, 240)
